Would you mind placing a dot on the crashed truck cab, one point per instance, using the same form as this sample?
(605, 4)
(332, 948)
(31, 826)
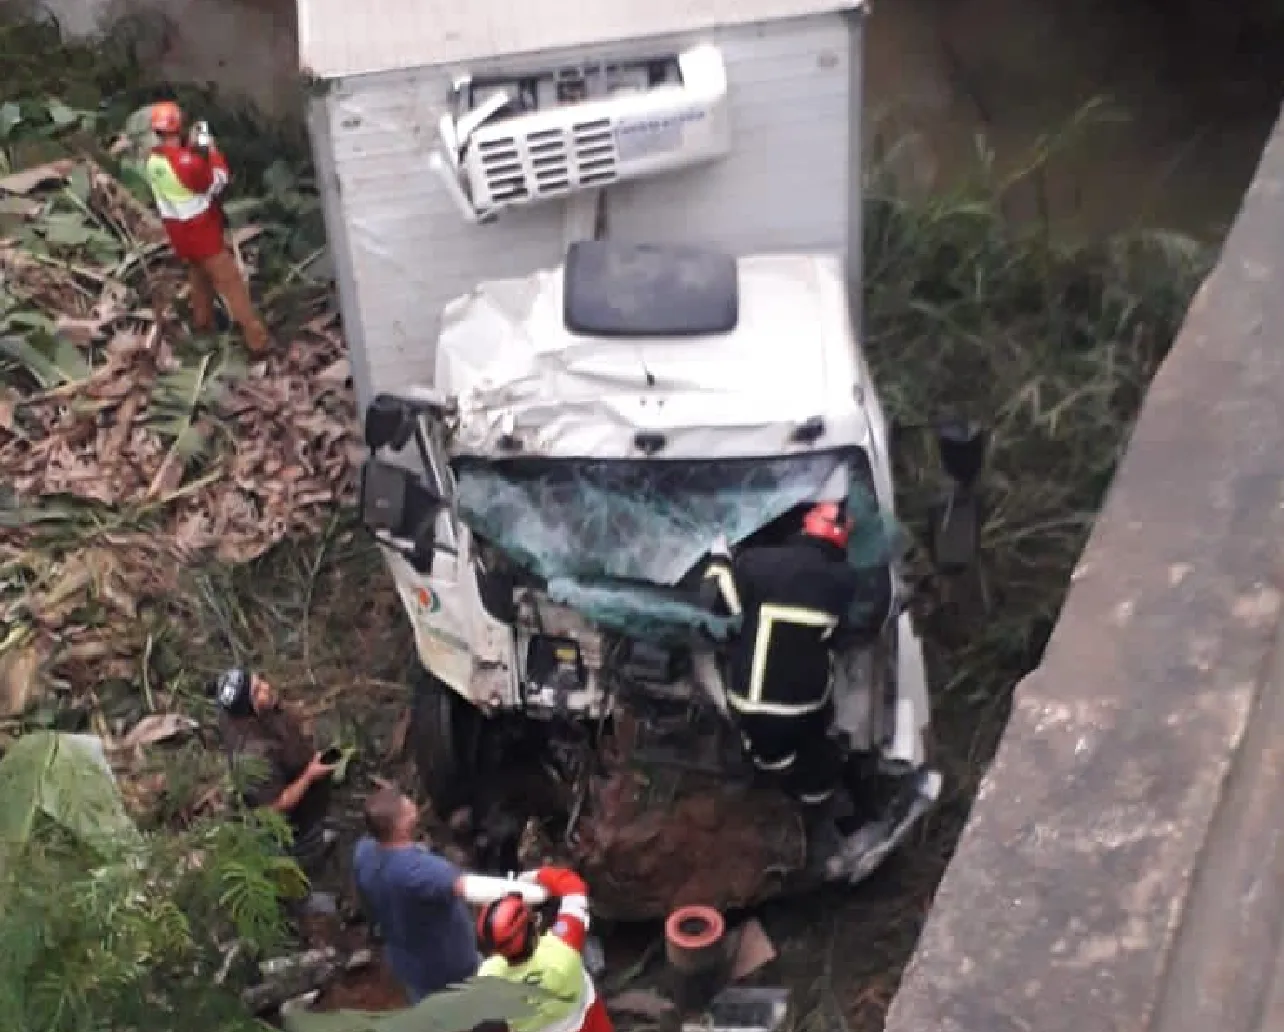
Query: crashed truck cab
(595, 430)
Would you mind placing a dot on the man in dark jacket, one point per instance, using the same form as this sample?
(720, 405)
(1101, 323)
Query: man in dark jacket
(795, 600)
(287, 774)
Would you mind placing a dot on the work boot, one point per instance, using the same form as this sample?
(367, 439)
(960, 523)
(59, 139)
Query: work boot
(257, 340)
(824, 839)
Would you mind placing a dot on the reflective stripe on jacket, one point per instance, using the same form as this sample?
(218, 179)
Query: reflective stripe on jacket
(810, 625)
(192, 218)
(558, 969)
(173, 199)
(794, 596)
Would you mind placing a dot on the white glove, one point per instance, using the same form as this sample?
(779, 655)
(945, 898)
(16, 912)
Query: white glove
(201, 135)
(531, 877)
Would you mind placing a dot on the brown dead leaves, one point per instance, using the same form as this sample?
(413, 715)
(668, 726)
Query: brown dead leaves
(127, 449)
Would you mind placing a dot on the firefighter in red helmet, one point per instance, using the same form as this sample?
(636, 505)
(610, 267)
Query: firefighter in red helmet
(508, 930)
(187, 177)
(794, 599)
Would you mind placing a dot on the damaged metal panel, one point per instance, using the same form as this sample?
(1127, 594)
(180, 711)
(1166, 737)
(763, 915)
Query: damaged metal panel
(784, 187)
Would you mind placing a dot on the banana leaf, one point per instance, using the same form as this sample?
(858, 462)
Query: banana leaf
(10, 116)
(180, 396)
(64, 778)
(457, 1009)
(51, 360)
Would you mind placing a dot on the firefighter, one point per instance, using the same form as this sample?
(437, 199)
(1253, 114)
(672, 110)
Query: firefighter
(187, 178)
(508, 930)
(795, 600)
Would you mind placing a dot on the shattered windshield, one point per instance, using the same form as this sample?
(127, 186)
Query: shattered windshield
(593, 520)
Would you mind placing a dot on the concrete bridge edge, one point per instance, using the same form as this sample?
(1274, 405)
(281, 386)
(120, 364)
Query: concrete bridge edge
(1123, 867)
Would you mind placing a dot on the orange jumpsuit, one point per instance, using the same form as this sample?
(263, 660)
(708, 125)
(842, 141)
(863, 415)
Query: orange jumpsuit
(185, 183)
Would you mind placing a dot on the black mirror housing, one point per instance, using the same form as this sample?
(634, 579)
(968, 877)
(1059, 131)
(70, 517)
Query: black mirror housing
(389, 422)
(398, 503)
(962, 446)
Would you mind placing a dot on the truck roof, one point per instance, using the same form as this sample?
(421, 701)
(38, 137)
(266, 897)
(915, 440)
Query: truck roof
(354, 37)
(504, 352)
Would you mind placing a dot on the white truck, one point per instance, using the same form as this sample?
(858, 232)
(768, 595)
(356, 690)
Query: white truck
(590, 428)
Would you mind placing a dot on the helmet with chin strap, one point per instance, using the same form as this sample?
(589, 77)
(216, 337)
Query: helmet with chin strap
(507, 926)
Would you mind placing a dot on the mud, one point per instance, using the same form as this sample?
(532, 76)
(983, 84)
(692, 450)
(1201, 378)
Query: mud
(370, 988)
(725, 847)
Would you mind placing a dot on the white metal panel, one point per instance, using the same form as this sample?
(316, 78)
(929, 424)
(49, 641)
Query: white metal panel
(787, 184)
(344, 37)
(520, 375)
(785, 187)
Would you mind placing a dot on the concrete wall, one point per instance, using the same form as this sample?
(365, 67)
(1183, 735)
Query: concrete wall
(1124, 864)
(247, 47)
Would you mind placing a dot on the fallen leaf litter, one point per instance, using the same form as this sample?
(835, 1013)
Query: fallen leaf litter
(129, 449)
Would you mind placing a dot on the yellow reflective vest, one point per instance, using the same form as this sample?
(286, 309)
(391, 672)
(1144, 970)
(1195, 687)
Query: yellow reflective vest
(558, 969)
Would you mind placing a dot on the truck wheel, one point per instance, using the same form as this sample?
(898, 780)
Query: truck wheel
(444, 733)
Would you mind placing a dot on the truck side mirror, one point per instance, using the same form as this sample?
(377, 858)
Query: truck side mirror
(954, 524)
(400, 509)
(962, 447)
(389, 422)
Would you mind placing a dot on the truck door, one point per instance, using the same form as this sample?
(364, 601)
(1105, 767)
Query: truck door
(408, 503)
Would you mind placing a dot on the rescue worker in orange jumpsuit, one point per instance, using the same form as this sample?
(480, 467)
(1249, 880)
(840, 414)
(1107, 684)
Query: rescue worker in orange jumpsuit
(187, 178)
(508, 930)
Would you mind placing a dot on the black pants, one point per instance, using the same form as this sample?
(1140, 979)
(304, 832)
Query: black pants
(309, 848)
(795, 751)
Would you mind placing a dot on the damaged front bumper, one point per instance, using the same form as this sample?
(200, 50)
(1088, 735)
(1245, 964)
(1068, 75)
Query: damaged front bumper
(861, 852)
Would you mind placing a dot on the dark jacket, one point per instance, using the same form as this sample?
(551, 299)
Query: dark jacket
(279, 750)
(794, 598)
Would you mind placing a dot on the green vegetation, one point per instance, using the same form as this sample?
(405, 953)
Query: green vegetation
(109, 926)
(1052, 344)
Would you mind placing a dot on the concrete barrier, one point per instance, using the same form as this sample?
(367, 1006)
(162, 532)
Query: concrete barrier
(248, 48)
(1123, 868)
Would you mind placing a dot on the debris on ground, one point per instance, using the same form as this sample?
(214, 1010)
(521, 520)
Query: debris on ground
(744, 1009)
(718, 845)
(129, 449)
(640, 1003)
(754, 950)
(300, 974)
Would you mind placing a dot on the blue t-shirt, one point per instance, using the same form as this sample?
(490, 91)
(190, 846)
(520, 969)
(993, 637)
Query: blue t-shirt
(428, 934)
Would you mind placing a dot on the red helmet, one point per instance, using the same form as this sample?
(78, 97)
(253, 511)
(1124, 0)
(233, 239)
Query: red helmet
(826, 522)
(167, 118)
(507, 927)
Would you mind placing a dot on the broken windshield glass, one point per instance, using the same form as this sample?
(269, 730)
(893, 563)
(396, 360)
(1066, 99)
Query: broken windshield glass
(594, 520)
(641, 614)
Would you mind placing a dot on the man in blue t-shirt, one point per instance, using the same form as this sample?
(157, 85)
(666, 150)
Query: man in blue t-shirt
(414, 896)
